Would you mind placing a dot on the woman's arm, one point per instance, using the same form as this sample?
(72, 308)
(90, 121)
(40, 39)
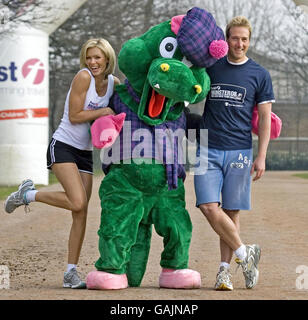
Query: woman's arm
(80, 86)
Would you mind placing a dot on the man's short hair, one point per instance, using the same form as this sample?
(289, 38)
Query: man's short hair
(239, 21)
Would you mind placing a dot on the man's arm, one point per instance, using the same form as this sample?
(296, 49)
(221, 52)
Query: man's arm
(264, 113)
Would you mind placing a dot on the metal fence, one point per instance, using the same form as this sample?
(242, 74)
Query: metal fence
(290, 150)
(286, 153)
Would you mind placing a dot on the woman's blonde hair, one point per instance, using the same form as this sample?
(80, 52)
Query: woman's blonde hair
(239, 21)
(106, 49)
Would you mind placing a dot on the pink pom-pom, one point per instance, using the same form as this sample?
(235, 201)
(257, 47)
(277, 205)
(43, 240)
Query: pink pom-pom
(218, 48)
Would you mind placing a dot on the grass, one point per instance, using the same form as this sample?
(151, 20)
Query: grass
(301, 175)
(6, 191)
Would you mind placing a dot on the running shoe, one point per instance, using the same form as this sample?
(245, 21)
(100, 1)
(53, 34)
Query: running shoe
(223, 280)
(72, 280)
(250, 265)
(17, 198)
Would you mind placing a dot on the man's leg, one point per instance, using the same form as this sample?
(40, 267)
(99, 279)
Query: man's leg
(223, 277)
(227, 229)
(224, 177)
(225, 251)
(222, 224)
(236, 195)
(209, 184)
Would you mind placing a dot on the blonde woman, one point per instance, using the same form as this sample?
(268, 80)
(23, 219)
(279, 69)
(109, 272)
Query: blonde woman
(69, 153)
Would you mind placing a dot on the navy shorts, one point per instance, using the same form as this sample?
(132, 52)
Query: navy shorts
(224, 177)
(59, 152)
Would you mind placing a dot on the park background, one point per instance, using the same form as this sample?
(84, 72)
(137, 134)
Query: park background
(279, 43)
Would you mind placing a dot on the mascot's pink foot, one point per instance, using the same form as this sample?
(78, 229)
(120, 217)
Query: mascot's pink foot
(179, 279)
(101, 280)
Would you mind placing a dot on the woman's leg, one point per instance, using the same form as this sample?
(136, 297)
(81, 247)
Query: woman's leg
(78, 228)
(77, 189)
(74, 197)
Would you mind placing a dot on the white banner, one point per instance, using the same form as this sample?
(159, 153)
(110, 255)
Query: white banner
(24, 93)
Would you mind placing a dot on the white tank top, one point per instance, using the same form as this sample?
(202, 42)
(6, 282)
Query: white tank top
(78, 135)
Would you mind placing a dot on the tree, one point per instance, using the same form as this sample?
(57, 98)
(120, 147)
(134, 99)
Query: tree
(279, 36)
(33, 13)
(278, 33)
(116, 21)
(289, 42)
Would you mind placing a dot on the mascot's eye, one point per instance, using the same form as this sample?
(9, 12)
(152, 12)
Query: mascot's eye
(167, 47)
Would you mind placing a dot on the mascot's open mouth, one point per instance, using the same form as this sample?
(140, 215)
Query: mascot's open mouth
(154, 107)
(155, 104)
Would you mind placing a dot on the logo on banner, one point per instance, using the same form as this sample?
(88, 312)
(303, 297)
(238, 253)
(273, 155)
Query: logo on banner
(24, 113)
(33, 70)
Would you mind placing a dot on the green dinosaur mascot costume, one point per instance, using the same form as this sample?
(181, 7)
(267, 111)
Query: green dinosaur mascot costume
(143, 186)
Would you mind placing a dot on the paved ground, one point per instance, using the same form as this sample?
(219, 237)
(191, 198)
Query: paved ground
(34, 246)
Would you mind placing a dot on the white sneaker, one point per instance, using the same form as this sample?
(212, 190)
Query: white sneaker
(250, 265)
(72, 280)
(223, 280)
(17, 198)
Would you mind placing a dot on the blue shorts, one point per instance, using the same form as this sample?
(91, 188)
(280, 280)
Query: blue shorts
(225, 178)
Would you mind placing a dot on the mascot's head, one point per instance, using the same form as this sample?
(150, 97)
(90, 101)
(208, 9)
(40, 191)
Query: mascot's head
(166, 65)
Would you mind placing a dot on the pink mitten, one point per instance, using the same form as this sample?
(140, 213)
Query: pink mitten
(179, 279)
(106, 129)
(101, 280)
(276, 123)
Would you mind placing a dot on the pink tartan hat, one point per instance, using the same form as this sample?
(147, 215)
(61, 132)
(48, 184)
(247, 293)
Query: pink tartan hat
(199, 38)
